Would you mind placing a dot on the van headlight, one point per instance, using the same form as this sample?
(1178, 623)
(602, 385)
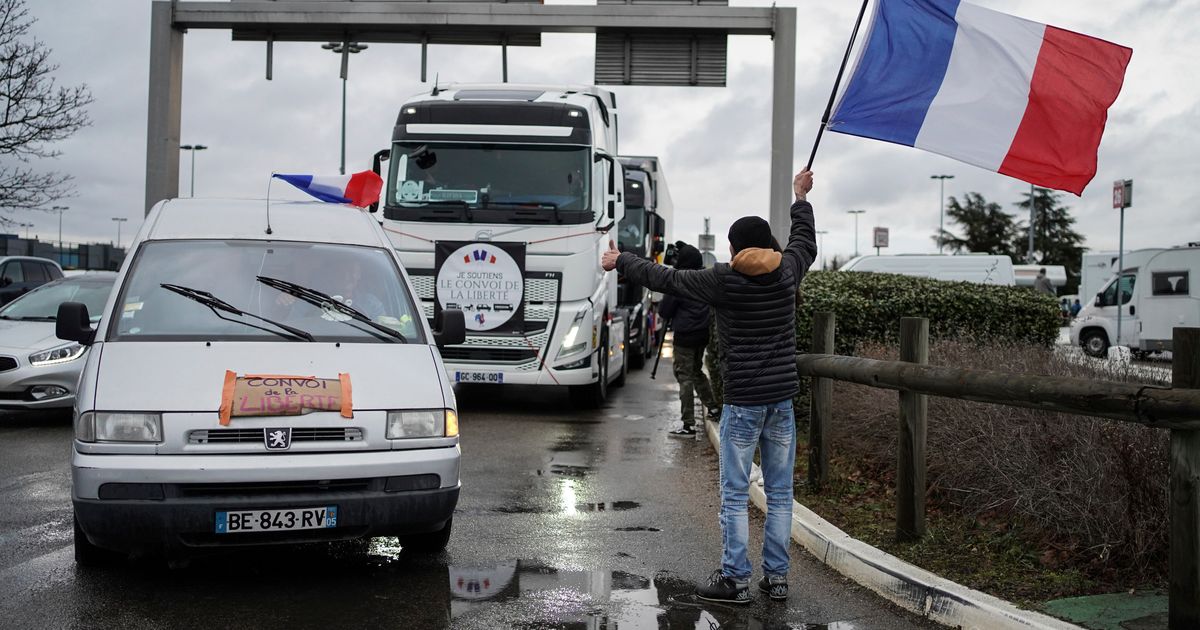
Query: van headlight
(61, 354)
(572, 344)
(422, 423)
(117, 426)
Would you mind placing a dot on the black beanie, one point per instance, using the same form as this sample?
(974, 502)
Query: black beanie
(751, 232)
(689, 257)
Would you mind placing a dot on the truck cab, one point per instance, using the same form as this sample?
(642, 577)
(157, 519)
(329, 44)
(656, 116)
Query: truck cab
(500, 201)
(642, 233)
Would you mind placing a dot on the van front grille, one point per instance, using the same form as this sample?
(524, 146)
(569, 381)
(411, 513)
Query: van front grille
(299, 434)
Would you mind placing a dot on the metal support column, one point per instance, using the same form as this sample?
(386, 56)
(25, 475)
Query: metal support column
(165, 106)
(783, 113)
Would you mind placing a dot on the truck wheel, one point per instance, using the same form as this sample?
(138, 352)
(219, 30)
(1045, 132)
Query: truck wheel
(620, 380)
(428, 543)
(593, 395)
(89, 555)
(1095, 344)
(636, 354)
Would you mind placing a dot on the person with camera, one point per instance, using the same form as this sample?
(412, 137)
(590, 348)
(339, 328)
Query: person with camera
(755, 301)
(690, 320)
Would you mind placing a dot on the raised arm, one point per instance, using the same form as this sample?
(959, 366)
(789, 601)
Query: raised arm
(699, 284)
(801, 248)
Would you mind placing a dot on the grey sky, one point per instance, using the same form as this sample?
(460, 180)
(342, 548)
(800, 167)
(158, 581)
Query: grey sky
(714, 142)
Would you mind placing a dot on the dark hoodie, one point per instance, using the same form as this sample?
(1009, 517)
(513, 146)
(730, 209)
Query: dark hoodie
(690, 319)
(755, 299)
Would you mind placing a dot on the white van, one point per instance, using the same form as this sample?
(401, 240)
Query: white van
(1156, 297)
(260, 381)
(978, 268)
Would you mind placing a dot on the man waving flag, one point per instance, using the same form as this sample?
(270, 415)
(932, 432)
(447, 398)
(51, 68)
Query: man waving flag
(993, 90)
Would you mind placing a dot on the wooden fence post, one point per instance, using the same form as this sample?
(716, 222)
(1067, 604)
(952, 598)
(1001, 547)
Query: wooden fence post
(910, 467)
(821, 405)
(1184, 589)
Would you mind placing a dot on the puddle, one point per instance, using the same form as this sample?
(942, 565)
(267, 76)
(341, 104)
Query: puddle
(638, 528)
(529, 594)
(569, 508)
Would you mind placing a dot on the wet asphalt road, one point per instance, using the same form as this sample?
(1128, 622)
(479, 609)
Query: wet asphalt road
(567, 520)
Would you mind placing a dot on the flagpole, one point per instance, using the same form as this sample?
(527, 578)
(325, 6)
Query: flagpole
(836, 84)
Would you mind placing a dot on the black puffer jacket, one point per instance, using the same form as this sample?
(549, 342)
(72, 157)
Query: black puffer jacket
(689, 318)
(755, 298)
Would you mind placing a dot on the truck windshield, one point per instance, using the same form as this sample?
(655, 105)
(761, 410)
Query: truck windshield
(365, 278)
(489, 183)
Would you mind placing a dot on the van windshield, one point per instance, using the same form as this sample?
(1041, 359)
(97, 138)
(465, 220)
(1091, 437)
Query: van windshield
(489, 183)
(363, 278)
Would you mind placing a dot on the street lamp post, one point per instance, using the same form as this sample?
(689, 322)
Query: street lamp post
(193, 148)
(345, 49)
(61, 210)
(119, 221)
(941, 208)
(821, 246)
(856, 213)
(26, 226)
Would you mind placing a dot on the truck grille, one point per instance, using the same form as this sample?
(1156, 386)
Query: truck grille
(304, 434)
(519, 351)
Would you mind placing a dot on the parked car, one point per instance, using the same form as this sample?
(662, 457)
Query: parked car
(1155, 297)
(21, 274)
(252, 385)
(37, 369)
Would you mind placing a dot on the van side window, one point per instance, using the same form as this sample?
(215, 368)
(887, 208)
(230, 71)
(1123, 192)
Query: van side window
(34, 272)
(11, 274)
(1169, 283)
(1109, 297)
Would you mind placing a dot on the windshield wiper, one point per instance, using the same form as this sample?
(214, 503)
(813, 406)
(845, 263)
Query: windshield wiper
(541, 205)
(446, 202)
(322, 300)
(216, 305)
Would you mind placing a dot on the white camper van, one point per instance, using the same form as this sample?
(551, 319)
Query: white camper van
(1156, 296)
(978, 268)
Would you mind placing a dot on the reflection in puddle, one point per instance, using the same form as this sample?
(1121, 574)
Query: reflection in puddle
(529, 594)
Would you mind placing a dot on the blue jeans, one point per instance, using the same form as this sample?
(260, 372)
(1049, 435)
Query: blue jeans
(772, 428)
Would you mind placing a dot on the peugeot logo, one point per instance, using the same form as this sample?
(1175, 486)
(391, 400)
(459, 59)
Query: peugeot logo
(278, 439)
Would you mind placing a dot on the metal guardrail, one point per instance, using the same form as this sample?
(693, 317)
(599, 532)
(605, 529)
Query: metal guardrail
(1176, 408)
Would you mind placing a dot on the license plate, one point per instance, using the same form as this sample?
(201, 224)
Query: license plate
(479, 377)
(232, 522)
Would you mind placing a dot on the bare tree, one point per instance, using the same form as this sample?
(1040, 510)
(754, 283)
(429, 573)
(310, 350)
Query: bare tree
(37, 112)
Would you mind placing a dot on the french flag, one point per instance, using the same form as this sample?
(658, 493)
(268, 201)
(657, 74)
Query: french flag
(996, 91)
(360, 189)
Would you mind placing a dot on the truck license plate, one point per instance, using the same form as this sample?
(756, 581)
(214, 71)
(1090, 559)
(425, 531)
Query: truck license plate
(479, 377)
(232, 522)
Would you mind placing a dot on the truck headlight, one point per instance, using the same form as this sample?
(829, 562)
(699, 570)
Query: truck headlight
(117, 426)
(61, 354)
(421, 423)
(571, 342)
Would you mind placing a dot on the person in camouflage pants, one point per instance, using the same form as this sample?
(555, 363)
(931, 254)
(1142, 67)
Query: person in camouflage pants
(690, 321)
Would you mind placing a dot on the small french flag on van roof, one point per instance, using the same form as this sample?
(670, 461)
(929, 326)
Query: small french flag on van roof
(359, 189)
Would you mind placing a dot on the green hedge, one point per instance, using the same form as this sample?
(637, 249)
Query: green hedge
(868, 307)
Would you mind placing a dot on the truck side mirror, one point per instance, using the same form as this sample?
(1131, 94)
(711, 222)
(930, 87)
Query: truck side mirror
(377, 167)
(74, 324)
(450, 327)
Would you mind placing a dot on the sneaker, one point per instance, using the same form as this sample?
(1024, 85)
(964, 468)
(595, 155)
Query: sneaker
(723, 589)
(775, 586)
(685, 431)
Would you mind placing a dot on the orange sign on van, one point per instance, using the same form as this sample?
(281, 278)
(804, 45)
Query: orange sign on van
(257, 395)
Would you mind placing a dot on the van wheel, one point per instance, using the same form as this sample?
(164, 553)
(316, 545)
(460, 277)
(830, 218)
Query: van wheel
(89, 555)
(428, 543)
(1095, 344)
(593, 395)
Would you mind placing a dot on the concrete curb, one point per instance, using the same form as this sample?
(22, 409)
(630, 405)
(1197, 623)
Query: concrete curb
(905, 585)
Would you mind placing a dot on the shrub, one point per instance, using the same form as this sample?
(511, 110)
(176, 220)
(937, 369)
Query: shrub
(1091, 491)
(868, 307)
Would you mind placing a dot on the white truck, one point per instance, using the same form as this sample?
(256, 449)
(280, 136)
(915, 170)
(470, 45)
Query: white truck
(1155, 297)
(500, 200)
(643, 232)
